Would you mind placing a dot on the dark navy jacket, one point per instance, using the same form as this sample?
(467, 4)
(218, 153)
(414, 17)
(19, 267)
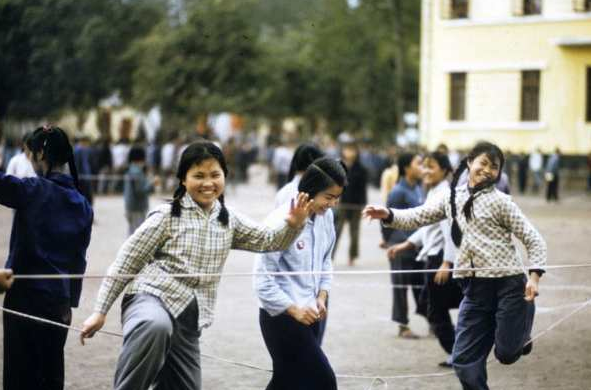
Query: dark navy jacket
(50, 233)
(402, 196)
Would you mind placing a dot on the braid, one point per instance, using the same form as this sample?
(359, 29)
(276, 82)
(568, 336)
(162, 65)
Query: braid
(456, 233)
(223, 216)
(469, 205)
(176, 202)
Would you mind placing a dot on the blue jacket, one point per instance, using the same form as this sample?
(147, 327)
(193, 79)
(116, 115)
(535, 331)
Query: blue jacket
(50, 232)
(311, 251)
(402, 196)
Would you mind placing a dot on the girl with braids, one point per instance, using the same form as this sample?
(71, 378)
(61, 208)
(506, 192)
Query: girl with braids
(498, 305)
(294, 308)
(436, 251)
(163, 316)
(50, 235)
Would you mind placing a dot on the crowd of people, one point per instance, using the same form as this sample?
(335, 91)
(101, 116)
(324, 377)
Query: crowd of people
(464, 227)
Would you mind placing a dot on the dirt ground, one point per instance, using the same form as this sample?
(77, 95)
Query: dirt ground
(360, 338)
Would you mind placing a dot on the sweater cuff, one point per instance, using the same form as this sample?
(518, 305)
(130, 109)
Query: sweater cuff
(538, 271)
(390, 219)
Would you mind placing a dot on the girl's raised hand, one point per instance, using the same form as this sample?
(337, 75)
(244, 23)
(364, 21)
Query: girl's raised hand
(375, 212)
(301, 207)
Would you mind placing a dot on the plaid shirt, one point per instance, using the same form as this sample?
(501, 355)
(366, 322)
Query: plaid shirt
(195, 242)
(486, 238)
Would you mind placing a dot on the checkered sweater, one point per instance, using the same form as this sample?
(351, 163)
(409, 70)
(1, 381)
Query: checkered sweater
(195, 242)
(486, 238)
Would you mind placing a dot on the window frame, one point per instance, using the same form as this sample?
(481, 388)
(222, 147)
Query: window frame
(459, 9)
(528, 87)
(457, 96)
(529, 7)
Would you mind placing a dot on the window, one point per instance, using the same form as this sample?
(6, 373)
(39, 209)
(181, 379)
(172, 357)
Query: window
(588, 114)
(582, 5)
(532, 7)
(530, 95)
(459, 9)
(457, 97)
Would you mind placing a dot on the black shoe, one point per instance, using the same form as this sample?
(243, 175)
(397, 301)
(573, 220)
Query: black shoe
(527, 348)
(445, 364)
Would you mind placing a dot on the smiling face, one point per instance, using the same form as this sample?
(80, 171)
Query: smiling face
(326, 199)
(205, 182)
(433, 174)
(483, 169)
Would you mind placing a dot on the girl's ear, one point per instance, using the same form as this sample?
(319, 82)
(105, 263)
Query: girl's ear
(469, 164)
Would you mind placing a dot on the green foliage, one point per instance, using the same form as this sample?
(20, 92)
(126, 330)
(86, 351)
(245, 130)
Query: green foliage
(66, 54)
(318, 59)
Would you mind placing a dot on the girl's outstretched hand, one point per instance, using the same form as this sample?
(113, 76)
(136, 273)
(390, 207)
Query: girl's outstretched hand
(375, 212)
(301, 207)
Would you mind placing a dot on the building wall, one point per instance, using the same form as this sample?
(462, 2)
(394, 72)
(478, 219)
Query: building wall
(493, 47)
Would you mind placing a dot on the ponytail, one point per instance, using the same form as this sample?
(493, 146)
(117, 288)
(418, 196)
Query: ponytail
(223, 217)
(176, 202)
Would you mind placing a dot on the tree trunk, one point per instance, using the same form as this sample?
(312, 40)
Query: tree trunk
(399, 52)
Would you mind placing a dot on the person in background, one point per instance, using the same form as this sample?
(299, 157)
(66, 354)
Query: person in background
(536, 164)
(20, 165)
(522, 169)
(353, 199)
(82, 158)
(407, 193)
(137, 189)
(552, 176)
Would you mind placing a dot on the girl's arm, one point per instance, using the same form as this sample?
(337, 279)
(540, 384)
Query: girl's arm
(326, 279)
(251, 236)
(515, 221)
(12, 191)
(409, 219)
(135, 253)
(274, 300)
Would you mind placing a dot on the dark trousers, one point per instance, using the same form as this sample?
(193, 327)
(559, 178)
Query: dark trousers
(406, 261)
(440, 299)
(298, 360)
(354, 218)
(552, 189)
(493, 312)
(34, 352)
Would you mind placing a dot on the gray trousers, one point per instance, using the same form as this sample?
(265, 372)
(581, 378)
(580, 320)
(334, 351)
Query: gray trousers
(158, 350)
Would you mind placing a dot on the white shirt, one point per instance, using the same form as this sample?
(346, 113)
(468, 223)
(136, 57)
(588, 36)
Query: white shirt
(120, 153)
(436, 237)
(535, 162)
(20, 166)
(282, 159)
